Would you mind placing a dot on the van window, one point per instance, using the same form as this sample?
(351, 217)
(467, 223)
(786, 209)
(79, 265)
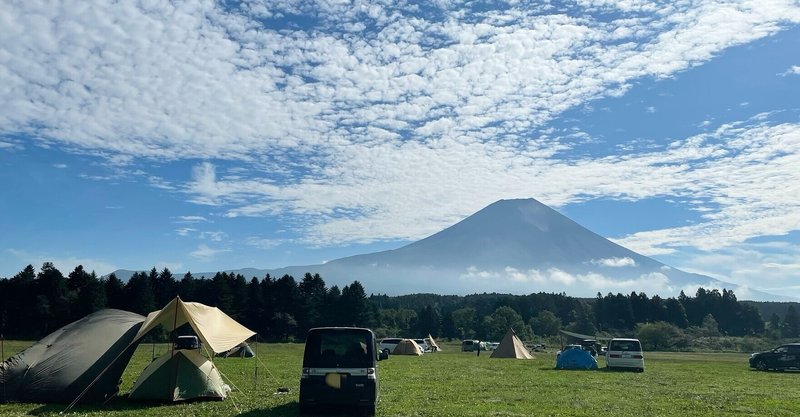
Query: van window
(625, 346)
(350, 348)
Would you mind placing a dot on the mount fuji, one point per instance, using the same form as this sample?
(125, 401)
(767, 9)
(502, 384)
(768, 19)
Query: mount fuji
(511, 246)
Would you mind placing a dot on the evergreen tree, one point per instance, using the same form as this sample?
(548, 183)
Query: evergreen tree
(354, 306)
(676, 314)
(115, 292)
(791, 322)
(187, 287)
(428, 322)
(312, 295)
(91, 297)
(140, 294)
(51, 287)
(165, 289)
(254, 312)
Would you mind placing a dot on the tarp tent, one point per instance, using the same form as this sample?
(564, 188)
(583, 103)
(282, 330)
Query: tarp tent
(216, 329)
(432, 343)
(576, 359)
(511, 347)
(182, 375)
(58, 368)
(407, 347)
(242, 350)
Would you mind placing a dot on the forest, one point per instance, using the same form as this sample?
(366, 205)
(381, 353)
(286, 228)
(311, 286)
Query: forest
(34, 303)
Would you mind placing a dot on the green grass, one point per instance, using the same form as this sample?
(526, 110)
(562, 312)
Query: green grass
(452, 383)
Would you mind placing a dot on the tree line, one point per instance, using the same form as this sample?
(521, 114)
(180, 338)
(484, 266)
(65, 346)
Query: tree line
(281, 308)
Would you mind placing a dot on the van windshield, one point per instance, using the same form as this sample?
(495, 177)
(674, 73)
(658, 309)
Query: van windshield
(625, 346)
(339, 348)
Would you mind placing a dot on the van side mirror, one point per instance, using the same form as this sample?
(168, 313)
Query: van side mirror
(383, 355)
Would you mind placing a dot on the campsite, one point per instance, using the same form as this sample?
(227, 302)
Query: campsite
(454, 383)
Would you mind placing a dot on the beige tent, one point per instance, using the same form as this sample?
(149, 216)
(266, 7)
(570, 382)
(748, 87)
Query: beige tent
(216, 329)
(407, 347)
(432, 343)
(511, 347)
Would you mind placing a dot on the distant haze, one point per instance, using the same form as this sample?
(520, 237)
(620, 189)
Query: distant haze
(513, 246)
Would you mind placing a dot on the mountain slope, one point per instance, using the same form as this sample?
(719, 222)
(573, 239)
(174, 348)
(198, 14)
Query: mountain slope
(515, 246)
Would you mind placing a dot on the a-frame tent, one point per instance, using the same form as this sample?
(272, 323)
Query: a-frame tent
(186, 374)
(511, 347)
(181, 375)
(215, 329)
(434, 346)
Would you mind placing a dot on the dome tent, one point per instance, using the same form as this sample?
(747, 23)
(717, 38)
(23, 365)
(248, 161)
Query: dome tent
(407, 347)
(576, 359)
(82, 360)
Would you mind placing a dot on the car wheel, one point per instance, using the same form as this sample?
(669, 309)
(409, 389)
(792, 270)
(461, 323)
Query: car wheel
(761, 365)
(387, 351)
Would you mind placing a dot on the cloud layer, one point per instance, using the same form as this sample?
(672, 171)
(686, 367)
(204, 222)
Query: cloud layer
(373, 121)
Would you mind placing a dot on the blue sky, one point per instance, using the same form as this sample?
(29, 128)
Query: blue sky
(207, 135)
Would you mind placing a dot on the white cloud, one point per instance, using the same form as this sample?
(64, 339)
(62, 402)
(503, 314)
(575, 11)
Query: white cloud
(589, 284)
(400, 133)
(60, 166)
(206, 253)
(192, 219)
(794, 70)
(185, 231)
(217, 236)
(614, 262)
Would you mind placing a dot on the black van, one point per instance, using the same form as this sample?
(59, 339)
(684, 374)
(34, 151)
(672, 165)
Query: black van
(340, 369)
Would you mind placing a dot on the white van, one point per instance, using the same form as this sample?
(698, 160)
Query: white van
(625, 354)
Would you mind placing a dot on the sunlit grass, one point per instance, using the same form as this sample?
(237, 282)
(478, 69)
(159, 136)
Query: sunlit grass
(452, 383)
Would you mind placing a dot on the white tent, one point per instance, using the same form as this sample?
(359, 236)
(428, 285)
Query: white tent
(216, 329)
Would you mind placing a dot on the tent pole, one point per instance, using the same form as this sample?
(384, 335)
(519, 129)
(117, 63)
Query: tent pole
(255, 375)
(174, 380)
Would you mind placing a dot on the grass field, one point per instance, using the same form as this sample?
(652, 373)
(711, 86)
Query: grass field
(452, 383)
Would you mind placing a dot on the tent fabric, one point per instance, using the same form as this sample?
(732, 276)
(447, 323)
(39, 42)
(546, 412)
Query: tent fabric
(182, 375)
(407, 347)
(216, 329)
(511, 347)
(576, 359)
(434, 347)
(59, 367)
(242, 350)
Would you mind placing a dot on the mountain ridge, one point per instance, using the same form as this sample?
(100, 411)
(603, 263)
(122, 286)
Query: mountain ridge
(517, 246)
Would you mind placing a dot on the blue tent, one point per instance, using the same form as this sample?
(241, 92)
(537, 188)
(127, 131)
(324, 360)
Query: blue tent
(576, 359)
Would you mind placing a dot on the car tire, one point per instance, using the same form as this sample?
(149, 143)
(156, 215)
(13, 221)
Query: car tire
(761, 365)
(388, 352)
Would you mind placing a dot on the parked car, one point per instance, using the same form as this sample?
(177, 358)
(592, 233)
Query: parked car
(567, 347)
(340, 369)
(187, 343)
(423, 344)
(492, 345)
(472, 345)
(780, 358)
(388, 344)
(625, 354)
